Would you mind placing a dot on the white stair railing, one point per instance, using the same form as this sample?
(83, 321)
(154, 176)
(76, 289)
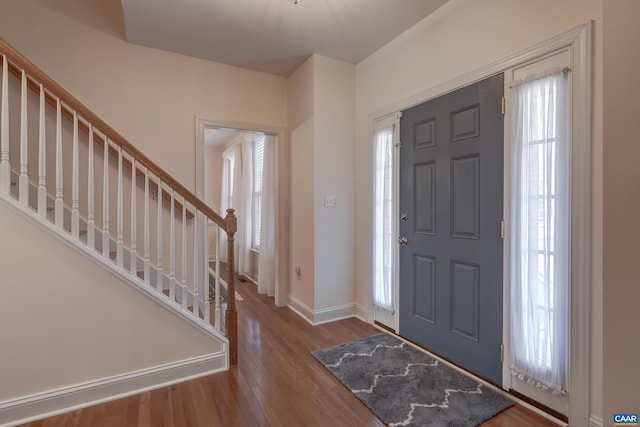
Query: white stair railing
(5, 171)
(182, 221)
(42, 159)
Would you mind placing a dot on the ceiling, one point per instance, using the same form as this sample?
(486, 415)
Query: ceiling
(274, 36)
(223, 138)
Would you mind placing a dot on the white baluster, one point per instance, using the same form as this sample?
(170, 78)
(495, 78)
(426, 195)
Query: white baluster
(105, 200)
(160, 272)
(75, 183)
(23, 181)
(184, 253)
(5, 168)
(133, 265)
(91, 208)
(120, 219)
(59, 205)
(217, 295)
(196, 263)
(172, 250)
(205, 271)
(146, 227)
(42, 159)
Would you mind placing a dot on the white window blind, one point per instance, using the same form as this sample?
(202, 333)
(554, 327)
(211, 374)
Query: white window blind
(258, 163)
(540, 259)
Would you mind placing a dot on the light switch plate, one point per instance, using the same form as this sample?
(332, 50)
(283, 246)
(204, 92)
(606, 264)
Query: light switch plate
(330, 201)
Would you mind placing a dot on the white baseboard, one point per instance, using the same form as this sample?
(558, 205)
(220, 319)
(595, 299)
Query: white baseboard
(326, 315)
(301, 309)
(595, 421)
(48, 404)
(361, 312)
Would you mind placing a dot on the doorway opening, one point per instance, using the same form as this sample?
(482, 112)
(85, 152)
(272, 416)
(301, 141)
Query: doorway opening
(243, 167)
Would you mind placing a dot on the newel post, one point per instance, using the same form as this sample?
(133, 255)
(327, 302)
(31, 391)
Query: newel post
(231, 316)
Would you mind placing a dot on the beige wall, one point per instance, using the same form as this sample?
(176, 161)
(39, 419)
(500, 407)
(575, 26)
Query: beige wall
(449, 43)
(60, 330)
(301, 139)
(321, 105)
(621, 208)
(150, 96)
(334, 137)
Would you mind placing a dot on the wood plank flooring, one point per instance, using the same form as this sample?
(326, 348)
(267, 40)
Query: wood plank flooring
(276, 383)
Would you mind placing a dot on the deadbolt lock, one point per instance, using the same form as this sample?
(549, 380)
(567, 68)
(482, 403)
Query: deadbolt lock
(404, 217)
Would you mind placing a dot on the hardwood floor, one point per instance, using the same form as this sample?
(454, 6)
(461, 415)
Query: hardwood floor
(276, 383)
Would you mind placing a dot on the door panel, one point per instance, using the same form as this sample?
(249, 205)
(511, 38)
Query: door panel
(465, 197)
(451, 186)
(425, 206)
(424, 298)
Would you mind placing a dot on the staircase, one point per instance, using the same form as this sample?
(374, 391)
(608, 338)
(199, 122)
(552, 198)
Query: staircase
(66, 169)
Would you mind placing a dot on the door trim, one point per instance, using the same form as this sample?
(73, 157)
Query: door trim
(579, 41)
(281, 296)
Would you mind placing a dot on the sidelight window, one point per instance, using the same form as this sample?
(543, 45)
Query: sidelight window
(383, 226)
(540, 245)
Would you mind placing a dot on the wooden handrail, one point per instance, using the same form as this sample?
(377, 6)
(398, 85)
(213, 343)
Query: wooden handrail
(17, 59)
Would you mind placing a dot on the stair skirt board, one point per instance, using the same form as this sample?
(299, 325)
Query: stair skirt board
(44, 405)
(173, 307)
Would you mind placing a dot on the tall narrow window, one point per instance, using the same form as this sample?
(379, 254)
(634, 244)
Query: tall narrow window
(258, 162)
(540, 258)
(383, 225)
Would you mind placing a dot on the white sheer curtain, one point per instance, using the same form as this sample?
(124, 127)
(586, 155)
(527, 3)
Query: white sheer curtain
(227, 191)
(266, 266)
(244, 209)
(383, 217)
(540, 261)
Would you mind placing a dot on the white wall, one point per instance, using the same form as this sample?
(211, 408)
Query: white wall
(621, 207)
(60, 329)
(461, 36)
(150, 96)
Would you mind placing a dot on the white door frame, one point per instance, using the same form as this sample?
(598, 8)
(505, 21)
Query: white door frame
(579, 41)
(282, 191)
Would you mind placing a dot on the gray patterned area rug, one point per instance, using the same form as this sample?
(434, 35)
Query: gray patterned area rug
(406, 387)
